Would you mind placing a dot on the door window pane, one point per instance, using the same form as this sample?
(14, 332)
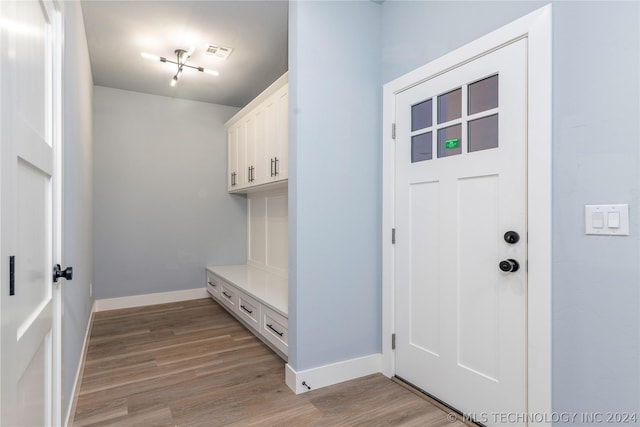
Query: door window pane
(421, 147)
(449, 141)
(421, 115)
(450, 106)
(483, 95)
(483, 133)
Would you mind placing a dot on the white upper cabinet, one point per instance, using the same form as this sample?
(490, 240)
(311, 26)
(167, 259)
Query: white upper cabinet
(258, 140)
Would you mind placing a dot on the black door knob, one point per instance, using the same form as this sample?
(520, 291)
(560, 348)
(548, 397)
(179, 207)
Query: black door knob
(509, 265)
(67, 273)
(511, 237)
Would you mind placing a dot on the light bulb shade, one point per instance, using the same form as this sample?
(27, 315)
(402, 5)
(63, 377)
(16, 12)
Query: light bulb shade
(174, 80)
(150, 56)
(212, 72)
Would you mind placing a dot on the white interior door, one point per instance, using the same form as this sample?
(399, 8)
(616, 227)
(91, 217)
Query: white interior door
(30, 92)
(460, 186)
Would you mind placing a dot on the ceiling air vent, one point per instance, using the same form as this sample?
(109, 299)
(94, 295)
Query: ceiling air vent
(221, 52)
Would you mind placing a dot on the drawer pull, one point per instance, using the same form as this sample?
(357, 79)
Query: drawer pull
(212, 284)
(275, 330)
(246, 309)
(226, 294)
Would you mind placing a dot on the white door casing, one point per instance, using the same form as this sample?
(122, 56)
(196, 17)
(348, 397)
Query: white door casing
(30, 159)
(535, 30)
(460, 320)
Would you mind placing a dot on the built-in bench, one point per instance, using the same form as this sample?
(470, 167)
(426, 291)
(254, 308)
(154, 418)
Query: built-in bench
(257, 298)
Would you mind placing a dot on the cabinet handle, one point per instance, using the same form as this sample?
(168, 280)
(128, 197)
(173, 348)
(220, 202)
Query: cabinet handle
(272, 162)
(276, 168)
(226, 294)
(253, 174)
(212, 284)
(246, 309)
(275, 330)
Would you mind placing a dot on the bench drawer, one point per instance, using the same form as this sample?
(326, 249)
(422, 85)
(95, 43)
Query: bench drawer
(228, 296)
(275, 329)
(213, 285)
(249, 310)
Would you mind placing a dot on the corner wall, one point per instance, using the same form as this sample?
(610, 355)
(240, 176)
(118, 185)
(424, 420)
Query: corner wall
(334, 182)
(77, 250)
(162, 212)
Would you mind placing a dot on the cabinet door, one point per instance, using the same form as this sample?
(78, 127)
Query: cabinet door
(262, 171)
(232, 161)
(249, 167)
(258, 144)
(281, 143)
(271, 135)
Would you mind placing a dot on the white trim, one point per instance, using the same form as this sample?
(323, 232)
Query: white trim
(334, 373)
(57, 81)
(539, 213)
(150, 299)
(536, 27)
(83, 356)
(273, 88)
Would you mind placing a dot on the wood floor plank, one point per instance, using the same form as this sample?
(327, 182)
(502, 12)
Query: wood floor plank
(192, 364)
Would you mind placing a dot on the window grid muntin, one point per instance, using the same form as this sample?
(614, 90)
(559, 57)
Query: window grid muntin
(464, 119)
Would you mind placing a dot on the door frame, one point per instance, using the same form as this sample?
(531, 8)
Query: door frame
(536, 29)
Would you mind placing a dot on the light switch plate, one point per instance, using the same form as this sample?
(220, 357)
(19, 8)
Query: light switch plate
(606, 220)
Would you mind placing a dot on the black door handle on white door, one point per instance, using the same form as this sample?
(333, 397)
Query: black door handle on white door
(511, 237)
(66, 274)
(509, 265)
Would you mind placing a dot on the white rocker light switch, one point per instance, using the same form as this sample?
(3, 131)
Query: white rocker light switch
(606, 220)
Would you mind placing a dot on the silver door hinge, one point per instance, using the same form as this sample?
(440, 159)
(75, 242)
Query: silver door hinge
(393, 341)
(393, 236)
(393, 131)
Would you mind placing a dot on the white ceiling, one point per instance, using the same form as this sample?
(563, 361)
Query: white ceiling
(119, 31)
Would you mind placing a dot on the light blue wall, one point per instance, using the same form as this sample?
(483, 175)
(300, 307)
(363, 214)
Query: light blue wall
(78, 195)
(596, 298)
(417, 32)
(162, 211)
(596, 140)
(334, 184)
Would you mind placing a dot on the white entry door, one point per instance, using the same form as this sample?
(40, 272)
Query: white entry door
(461, 220)
(29, 197)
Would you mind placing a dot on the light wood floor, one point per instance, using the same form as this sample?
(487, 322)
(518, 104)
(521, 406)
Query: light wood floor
(193, 364)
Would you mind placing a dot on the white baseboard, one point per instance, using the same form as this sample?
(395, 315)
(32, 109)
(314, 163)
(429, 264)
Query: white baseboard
(335, 373)
(76, 384)
(150, 299)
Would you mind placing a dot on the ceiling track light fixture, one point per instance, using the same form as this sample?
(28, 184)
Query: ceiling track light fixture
(182, 56)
